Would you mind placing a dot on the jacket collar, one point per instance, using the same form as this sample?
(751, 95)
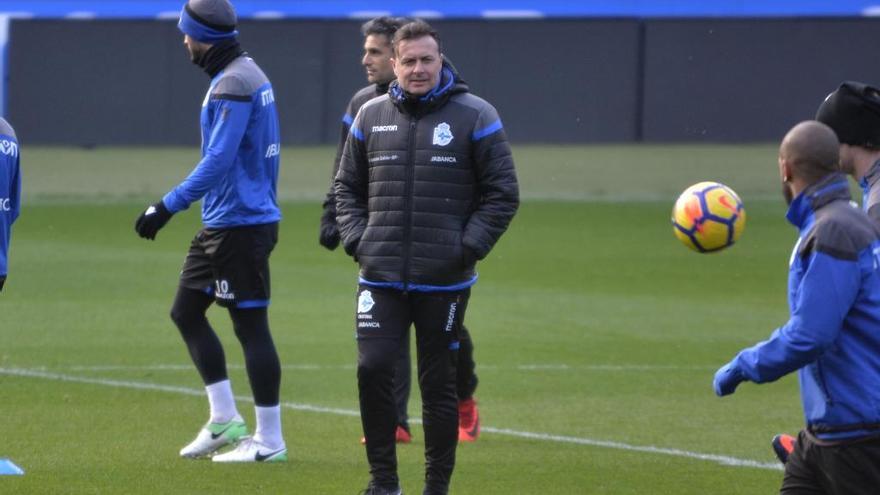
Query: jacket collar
(219, 56)
(444, 84)
(833, 187)
(447, 84)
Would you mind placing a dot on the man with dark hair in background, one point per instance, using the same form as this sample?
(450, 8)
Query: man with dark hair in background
(426, 187)
(831, 337)
(228, 260)
(10, 193)
(853, 112)
(378, 34)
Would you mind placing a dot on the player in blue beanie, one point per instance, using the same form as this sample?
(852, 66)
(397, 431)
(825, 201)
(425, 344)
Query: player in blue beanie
(228, 260)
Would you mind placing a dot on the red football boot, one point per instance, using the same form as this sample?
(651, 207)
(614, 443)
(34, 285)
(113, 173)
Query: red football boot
(401, 435)
(468, 420)
(783, 445)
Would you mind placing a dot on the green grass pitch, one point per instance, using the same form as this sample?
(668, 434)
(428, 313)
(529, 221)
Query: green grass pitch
(596, 334)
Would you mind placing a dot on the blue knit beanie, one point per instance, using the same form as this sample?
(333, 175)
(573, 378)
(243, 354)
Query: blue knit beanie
(208, 21)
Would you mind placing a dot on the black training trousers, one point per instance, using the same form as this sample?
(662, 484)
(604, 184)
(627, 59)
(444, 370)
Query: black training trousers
(832, 468)
(402, 381)
(466, 378)
(383, 317)
(465, 381)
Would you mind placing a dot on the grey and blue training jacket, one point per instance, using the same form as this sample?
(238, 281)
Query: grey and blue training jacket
(833, 334)
(426, 186)
(871, 192)
(241, 147)
(10, 190)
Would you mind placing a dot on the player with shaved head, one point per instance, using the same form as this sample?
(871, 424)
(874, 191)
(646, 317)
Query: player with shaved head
(852, 111)
(809, 152)
(831, 337)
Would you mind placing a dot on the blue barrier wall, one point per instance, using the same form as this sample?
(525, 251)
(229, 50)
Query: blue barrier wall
(451, 8)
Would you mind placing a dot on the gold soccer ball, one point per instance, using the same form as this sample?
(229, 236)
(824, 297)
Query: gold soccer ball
(708, 217)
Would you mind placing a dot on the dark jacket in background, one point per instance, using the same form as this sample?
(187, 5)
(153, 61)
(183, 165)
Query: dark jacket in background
(362, 96)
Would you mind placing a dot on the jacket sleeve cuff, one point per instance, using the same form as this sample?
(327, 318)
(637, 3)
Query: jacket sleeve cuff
(174, 203)
(479, 253)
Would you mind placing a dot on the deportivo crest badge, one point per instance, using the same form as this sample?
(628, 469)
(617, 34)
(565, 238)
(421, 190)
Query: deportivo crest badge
(365, 302)
(442, 134)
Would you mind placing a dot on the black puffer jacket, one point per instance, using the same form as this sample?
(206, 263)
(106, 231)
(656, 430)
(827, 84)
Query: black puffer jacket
(426, 186)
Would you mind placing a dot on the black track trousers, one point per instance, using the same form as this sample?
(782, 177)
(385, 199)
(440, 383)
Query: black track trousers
(383, 317)
(816, 467)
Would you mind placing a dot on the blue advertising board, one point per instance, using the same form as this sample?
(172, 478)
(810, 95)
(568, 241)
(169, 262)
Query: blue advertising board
(449, 9)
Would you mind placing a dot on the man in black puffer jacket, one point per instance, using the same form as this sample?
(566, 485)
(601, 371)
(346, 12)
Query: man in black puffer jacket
(425, 188)
(378, 52)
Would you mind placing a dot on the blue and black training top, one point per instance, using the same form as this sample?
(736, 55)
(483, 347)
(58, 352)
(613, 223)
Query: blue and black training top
(241, 148)
(10, 190)
(832, 335)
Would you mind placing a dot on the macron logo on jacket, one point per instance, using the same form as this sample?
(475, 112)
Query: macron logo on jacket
(384, 128)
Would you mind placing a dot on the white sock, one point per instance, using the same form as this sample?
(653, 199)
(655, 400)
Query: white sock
(269, 426)
(222, 402)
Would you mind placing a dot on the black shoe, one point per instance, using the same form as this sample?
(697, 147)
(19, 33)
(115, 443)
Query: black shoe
(382, 490)
(434, 490)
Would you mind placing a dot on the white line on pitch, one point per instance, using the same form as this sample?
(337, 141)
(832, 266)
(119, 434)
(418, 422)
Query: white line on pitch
(720, 459)
(160, 388)
(545, 437)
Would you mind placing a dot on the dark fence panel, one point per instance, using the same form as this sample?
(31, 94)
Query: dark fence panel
(99, 82)
(560, 81)
(130, 82)
(565, 81)
(291, 53)
(747, 80)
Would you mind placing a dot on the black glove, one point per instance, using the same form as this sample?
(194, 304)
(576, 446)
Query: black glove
(151, 220)
(329, 237)
(2, 281)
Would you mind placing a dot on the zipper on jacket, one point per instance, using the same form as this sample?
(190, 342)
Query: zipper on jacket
(408, 201)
